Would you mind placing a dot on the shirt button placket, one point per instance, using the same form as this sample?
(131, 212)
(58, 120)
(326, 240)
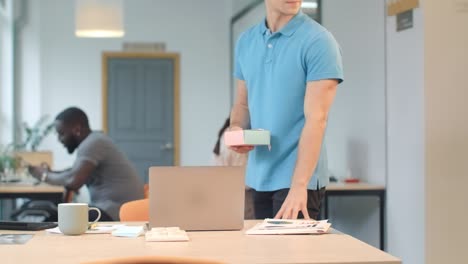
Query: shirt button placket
(269, 57)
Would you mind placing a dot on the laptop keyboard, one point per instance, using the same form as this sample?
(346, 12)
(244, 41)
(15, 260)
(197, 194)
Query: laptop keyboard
(26, 226)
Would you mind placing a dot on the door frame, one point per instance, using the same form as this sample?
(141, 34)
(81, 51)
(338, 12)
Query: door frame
(139, 55)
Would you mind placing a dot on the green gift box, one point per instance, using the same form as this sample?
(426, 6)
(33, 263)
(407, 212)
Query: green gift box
(257, 137)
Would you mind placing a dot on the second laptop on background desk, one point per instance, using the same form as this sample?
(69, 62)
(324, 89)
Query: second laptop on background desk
(26, 226)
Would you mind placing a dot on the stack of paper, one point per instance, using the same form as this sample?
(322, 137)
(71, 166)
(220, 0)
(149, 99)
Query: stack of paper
(95, 229)
(128, 231)
(285, 226)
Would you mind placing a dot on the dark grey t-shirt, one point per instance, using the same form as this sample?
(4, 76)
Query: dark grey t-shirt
(115, 180)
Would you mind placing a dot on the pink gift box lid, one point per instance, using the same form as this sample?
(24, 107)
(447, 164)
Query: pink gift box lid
(234, 138)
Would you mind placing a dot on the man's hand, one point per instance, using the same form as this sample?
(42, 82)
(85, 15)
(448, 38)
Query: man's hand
(295, 202)
(37, 171)
(239, 149)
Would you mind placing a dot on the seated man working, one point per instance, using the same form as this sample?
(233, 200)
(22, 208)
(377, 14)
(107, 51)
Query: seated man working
(108, 174)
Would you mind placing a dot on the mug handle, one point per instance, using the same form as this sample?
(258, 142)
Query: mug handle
(99, 214)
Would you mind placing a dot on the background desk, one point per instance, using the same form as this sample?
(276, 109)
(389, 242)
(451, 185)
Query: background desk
(359, 189)
(228, 246)
(30, 191)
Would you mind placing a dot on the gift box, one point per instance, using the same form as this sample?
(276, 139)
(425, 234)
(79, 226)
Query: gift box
(252, 137)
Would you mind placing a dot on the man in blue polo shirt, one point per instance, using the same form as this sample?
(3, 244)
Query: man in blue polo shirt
(288, 68)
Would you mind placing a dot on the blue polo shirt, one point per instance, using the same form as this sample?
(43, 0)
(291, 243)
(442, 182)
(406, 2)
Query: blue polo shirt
(276, 68)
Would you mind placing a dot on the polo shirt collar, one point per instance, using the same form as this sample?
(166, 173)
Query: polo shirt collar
(289, 28)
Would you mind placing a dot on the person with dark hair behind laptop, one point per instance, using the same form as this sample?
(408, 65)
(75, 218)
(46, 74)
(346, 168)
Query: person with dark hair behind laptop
(223, 156)
(110, 177)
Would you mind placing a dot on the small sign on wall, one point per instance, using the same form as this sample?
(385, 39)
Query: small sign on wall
(395, 7)
(404, 20)
(144, 46)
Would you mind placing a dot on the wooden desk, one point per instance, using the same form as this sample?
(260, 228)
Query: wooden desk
(227, 246)
(31, 191)
(359, 189)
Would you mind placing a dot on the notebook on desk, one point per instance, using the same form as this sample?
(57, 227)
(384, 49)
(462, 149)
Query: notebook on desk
(26, 226)
(197, 198)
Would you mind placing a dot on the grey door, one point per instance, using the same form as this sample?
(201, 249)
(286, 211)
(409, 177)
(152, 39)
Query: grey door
(140, 109)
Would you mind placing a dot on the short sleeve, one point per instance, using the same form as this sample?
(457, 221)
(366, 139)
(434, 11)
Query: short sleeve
(323, 59)
(237, 60)
(94, 151)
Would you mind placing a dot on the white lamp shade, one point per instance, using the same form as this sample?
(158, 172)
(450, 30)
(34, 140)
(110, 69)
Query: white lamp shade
(99, 18)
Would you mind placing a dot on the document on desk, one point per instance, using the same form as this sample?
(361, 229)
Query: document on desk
(129, 231)
(289, 227)
(98, 229)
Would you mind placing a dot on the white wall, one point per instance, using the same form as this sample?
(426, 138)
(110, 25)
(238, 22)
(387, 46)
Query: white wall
(405, 106)
(357, 126)
(6, 80)
(356, 130)
(238, 5)
(70, 68)
(29, 60)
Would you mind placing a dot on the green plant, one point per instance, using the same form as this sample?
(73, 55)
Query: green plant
(7, 160)
(33, 137)
(35, 134)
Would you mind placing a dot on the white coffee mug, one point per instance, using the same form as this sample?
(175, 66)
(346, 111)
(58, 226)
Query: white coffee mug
(73, 218)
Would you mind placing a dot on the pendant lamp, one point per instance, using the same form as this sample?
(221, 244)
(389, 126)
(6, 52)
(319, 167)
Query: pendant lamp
(99, 18)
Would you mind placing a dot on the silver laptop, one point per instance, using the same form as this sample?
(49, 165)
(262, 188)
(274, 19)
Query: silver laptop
(197, 198)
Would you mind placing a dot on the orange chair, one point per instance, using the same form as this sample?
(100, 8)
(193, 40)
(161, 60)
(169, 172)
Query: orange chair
(146, 190)
(135, 211)
(154, 260)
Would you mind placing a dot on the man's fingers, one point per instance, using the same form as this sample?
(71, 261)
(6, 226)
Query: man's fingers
(287, 214)
(241, 149)
(279, 214)
(295, 214)
(305, 213)
(284, 214)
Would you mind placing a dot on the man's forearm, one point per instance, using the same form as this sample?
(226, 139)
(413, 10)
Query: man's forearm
(240, 116)
(310, 144)
(59, 178)
(317, 102)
